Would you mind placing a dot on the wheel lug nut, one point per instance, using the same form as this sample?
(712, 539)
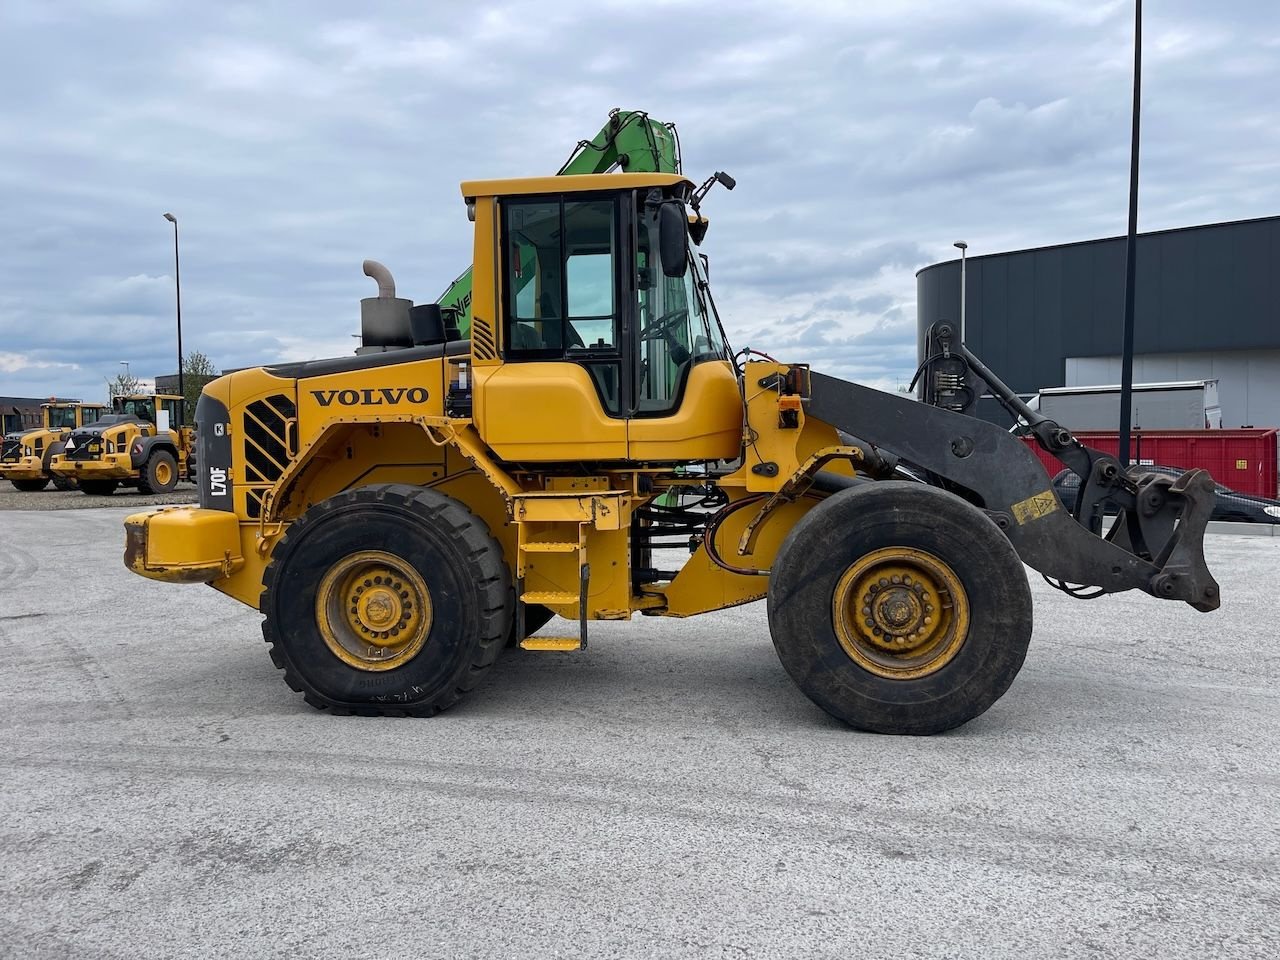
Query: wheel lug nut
(896, 579)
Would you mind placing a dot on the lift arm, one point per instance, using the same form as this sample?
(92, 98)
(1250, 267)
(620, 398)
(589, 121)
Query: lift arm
(1156, 544)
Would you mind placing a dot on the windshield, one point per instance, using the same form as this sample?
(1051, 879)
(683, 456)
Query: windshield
(676, 329)
(144, 408)
(60, 417)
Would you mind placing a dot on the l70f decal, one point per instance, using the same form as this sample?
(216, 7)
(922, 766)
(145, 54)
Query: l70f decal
(217, 481)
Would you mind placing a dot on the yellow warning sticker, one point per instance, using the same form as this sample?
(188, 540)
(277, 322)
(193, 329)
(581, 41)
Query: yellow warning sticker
(1242, 464)
(1033, 508)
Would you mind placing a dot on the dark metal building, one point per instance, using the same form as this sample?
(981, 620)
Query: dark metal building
(1208, 306)
(20, 413)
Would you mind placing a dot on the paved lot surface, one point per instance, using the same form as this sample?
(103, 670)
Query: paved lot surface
(51, 499)
(669, 794)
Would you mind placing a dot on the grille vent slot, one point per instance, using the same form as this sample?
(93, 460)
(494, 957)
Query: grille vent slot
(266, 447)
(483, 346)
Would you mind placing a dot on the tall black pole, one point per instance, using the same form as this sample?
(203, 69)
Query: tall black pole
(1131, 246)
(177, 286)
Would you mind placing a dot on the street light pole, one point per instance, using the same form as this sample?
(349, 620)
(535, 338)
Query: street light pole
(177, 285)
(1131, 249)
(962, 246)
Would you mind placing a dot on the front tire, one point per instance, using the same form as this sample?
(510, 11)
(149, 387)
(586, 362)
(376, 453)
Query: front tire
(900, 608)
(31, 486)
(159, 473)
(64, 483)
(388, 599)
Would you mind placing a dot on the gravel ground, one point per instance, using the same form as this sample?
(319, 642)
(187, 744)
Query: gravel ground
(51, 499)
(669, 793)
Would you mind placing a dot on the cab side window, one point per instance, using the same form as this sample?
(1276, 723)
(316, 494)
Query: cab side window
(560, 287)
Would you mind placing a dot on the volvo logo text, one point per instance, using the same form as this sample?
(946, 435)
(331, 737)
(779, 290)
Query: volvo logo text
(383, 397)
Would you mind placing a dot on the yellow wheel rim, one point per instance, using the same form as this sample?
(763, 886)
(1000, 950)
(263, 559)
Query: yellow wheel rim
(164, 474)
(900, 613)
(373, 610)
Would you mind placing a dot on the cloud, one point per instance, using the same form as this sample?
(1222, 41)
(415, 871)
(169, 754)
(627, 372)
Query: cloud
(17, 363)
(865, 138)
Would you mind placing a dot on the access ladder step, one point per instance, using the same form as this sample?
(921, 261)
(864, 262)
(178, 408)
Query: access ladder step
(549, 597)
(551, 644)
(549, 546)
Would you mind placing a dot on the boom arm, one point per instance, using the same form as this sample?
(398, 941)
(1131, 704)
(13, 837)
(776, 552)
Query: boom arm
(630, 141)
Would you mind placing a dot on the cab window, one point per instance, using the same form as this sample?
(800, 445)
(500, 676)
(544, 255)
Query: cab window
(561, 288)
(144, 408)
(60, 417)
(676, 329)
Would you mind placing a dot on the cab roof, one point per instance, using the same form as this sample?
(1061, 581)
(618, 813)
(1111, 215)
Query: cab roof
(573, 183)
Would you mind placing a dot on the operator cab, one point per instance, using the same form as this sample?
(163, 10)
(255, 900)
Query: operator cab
(603, 321)
(143, 407)
(60, 416)
(69, 416)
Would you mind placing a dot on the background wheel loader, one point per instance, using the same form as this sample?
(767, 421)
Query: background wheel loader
(595, 448)
(27, 455)
(141, 443)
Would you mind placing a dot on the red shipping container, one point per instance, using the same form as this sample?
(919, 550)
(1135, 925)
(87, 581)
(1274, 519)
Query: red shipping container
(1244, 460)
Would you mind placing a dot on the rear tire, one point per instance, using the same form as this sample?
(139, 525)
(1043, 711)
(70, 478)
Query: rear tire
(159, 473)
(31, 486)
(388, 599)
(99, 488)
(900, 608)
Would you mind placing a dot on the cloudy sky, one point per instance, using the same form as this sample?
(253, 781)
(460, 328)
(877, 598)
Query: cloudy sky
(293, 140)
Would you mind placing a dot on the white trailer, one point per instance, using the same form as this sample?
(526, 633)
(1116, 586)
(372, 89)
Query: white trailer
(1180, 405)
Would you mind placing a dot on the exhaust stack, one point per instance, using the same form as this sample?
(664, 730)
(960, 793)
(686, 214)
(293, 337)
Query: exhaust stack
(384, 319)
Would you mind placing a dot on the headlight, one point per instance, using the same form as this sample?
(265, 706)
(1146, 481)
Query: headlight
(1272, 511)
(111, 447)
(26, 451)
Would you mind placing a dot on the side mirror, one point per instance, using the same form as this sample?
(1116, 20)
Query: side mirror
(673, 233)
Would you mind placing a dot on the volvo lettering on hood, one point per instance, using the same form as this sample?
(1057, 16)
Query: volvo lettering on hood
(382, 397)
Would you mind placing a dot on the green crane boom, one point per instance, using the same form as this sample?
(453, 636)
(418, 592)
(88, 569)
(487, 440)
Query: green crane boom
(630, 141)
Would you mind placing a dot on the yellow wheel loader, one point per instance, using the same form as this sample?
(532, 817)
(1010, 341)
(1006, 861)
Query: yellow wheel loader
(595, 449)
(141, 443)
(27, 455)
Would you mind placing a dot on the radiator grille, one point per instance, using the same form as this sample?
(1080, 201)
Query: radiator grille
(266, 447)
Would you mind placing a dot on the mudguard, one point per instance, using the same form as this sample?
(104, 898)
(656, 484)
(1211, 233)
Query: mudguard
(141, 449)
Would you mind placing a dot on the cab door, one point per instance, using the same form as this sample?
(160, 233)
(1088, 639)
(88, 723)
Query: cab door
(561, 392)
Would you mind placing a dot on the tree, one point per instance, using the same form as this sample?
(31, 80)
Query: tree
(197, 370)
(123, 385)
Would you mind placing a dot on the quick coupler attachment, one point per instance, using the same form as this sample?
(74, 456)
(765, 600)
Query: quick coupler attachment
(1166, 525)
